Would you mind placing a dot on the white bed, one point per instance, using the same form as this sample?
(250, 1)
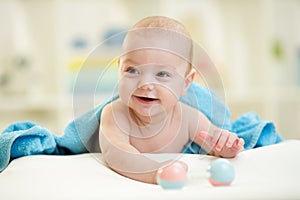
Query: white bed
(271, 172)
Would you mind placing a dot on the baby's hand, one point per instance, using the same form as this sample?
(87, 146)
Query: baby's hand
(221, 143)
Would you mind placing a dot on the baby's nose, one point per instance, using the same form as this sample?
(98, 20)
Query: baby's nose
(147, 86)
(146, 83)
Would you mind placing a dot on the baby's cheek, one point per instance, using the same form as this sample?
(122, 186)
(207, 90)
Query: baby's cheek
(124, 97)
(169, 98)
(174, 90)
(125, 90)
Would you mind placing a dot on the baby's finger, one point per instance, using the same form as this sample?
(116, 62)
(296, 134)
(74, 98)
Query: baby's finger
(205, 141)
(231, 140)
(222, 140)
(238, 144)
(215, 137)
(202, 135)
(241, 143)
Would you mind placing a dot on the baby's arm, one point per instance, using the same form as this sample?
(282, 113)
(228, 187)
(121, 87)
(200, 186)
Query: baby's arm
(214, 140)
(119, 154)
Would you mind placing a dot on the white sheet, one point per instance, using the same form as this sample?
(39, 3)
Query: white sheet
(271, 172)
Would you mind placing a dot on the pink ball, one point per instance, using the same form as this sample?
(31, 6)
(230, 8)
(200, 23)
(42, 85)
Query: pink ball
(173, 176)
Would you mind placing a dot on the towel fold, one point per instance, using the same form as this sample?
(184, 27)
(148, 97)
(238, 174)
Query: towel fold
(81, 134)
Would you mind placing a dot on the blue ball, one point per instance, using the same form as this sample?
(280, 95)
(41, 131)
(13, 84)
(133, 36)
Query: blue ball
(170, 185)
(221, 172)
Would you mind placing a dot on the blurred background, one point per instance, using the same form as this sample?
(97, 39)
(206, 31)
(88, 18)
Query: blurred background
(255, 45)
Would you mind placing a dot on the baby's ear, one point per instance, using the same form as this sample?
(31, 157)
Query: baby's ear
(188, 80)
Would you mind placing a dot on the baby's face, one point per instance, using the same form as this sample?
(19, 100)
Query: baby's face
(151, 80)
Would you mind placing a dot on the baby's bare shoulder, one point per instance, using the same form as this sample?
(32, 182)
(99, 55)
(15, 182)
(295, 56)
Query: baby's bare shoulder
(115, 114)
(115, 109)
(188, 110)
(193, 117)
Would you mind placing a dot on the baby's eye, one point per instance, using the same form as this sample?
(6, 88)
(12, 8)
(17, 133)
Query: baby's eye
(163, 74)
(132, 70)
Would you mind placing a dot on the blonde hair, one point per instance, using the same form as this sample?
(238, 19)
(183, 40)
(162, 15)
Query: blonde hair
(162, 22)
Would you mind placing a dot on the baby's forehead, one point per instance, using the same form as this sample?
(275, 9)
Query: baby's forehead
(152, 56)
(160, 39)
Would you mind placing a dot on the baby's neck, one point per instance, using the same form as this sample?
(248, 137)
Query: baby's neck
(153, 120)
(149, 126)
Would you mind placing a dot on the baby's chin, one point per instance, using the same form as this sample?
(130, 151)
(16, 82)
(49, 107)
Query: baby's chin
(153, 112)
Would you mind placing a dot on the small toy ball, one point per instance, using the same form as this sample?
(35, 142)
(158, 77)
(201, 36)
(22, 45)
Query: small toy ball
(221, 172)
(172, 177)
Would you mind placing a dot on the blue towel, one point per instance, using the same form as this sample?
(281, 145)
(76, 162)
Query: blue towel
(81, 134)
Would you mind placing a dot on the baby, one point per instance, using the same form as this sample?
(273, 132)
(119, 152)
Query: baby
(154, 72)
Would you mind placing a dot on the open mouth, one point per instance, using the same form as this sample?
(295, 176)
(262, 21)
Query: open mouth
(146, 99)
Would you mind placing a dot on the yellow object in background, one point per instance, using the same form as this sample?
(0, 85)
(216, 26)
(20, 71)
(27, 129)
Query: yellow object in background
(77, 62)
